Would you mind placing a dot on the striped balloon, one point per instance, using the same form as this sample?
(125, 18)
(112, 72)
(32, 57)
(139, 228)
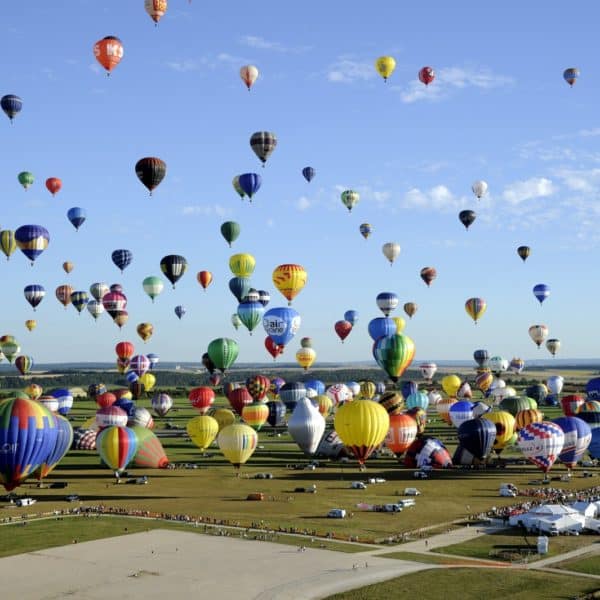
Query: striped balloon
(64, 439)
(117, 447)
(541, 443)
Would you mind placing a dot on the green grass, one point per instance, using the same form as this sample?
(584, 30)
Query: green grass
(587, 563)
(426, 557)
(474, 584)
(213, 490)
(18, 538)
(511, 541)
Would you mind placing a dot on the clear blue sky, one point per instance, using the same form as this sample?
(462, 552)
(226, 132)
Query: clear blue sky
(499, 110)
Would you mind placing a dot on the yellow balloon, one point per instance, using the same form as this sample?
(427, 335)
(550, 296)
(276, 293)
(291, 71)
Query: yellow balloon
(68, 266)
(255, 414)
(34, 391)
(325, 404)
(148, 380)
(505, 427)
(202, 431)
(385, 66)
(289, 280)
(242, 265)
(305, 357)
(362, 425)
(31, 324)
(145, 331)
(400, 324)
(237, 443)
(223, 416)
(367, 389)
(450, 384)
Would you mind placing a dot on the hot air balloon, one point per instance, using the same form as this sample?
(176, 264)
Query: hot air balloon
(428, 274)
(570, 75)
(24, 364)
(117, 447)
(258, 386)
(477, 436)
(289, 279)
(204, 278)
(237, 442)
(460, 412)
(64, 398)
(272, 347)
(179, 311)
(365, 230)
(236, 186)
(306, 426)
(394, 354)
(64, 439)
(249, 74)
(367, 389)
(305, 357)
(9, 347)
(8, 244)
(150, 452)
(410, 308)
(84, 439)
(427, 451)
(98, 290)
(255, 414)
(362, 425)
(343, 329)
(515, 404)
(281, 324)
(523, 252)
(541, 443)
(475, 308)
(451, 384)
(68, 266)
(114, 303)
(223, 352)
(417, 400)
(161, 403)
(153, 286)
(391, 250)
(32, 240)
(541, 291)
(145, 331)
(108, 52)
(479, 188)
(25, 179)
(385, 66)
(34, 294)
(139, 364)
(31, 324)
(173, 266)
(11, 105)
(122, 258)
(553, 346)
(250, 183)
(79, 300)
(350, 199)
(504, 423)
(428, 370)
(401, 434)
(150, 171)
(76, 216)
(538, 333)
(203, 430)
(230, 230)
(381, 327)
(156, 9)
(467, 217)
(140, 417)
(578, 436)
(28, 435)
(481, 357)
(308, 173)
(516, 365)
(426, 75)
(263, 143)
(392, 401)
(53, 185)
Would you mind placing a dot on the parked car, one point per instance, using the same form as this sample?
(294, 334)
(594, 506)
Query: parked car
(25, 501)
(358, 485)
(337, 513)
(411, 491)
(263, 476)
(376, 480)
(255, 496)
(420, 475)
(311, 489)
(72, 498)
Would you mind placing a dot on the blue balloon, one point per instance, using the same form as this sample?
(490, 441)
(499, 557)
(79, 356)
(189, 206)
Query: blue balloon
(593, 420)
(351, 316)
(387, 302)
(592, 389)
(122, 258)
(481, 357)
(578, 436)
(250, 183)
(127, 404)
(34, 294)
(77, 216)
(180, 311)
(408, 387)
(291, 392)
(153, 358)
(277, 412)
(131, 377)
(11, 105)
(32, 240)
(316, 385)
(541, 291)
(537, 391)
(477, 436)
(380, 387)
(417, 400)
(64, 439)
(381, 327)
(308, 173)
(281, 324)
(239, 287)
(65, 400)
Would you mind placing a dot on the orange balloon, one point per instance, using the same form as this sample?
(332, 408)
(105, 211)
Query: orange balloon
(204, 278)
(53, 184)
(108, 52)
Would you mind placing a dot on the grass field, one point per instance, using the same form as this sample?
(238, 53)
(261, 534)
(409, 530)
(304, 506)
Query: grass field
(213, 490)
(511, 541)
(587, 563)
(474, 584)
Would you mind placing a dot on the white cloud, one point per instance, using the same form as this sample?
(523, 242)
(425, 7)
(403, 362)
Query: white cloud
(451, 79)
(205, 210)
(183, 66)
(303, 203)
(589, 132)
(95, 67)
(535, 187)
(256, 41)
(348, 70)
(438, 197)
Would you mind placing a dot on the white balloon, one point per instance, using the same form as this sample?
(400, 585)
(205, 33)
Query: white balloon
(306, 426)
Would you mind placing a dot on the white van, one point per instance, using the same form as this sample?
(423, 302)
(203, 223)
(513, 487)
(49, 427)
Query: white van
(406, 502)
(358, 485)
(411, 491)
(25, 501)
(337, 513)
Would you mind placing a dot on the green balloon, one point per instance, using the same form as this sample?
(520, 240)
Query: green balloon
(515, 404)
(230, 230)
(223, 352)
(153, 286)
(25, 178)
(237, 187)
